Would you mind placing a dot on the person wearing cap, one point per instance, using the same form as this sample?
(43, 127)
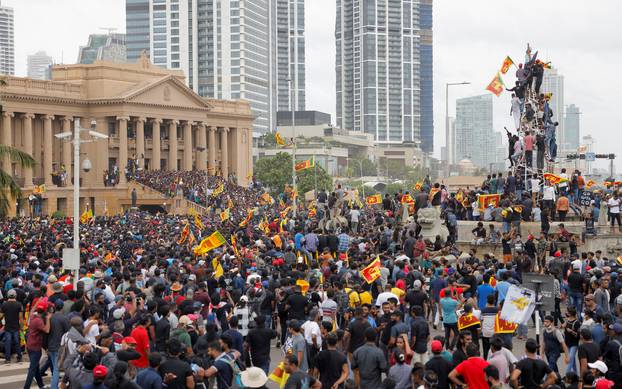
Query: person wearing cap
(438, 364)
(99, 376)
(181, 332)
(38, 326)
(11, 311)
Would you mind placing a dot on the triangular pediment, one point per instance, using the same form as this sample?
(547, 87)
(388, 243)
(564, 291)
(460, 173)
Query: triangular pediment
(167, 91)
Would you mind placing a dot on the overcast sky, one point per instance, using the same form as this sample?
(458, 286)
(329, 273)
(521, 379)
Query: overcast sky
(471, 38)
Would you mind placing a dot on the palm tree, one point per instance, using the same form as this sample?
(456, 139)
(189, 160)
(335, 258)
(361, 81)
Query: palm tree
(9, 189)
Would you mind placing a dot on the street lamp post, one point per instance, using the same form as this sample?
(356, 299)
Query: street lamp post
(360, 162)
(293, 107)
(447, 140)
(86, 165)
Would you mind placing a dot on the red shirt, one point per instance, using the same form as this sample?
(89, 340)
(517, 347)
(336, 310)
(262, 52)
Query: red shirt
(142, 346)
(472, 371)
(35, 333)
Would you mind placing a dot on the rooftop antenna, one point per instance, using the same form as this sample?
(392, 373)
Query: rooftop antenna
(109, 29)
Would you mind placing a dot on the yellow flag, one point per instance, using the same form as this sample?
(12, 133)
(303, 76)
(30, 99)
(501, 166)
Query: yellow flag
(225, 215)
(218, 270)
(279, 376)
(279, 139)
(198, 222)
(211, 242)
(86, 216)
(218, 190)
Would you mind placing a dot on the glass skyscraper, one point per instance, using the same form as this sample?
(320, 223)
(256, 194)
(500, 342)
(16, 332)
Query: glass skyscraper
(379, 65)
(475, 137)
(228, 49)
(572, 127)
(426, 71)
(7, 41)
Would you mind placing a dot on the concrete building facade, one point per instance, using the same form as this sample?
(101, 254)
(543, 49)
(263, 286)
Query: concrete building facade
(572, 127)
(244, 49)
(475, 138)
(378, 63)
(427, 75)
(149, 114)
(39, 65)
(553, 82)
(7, 41)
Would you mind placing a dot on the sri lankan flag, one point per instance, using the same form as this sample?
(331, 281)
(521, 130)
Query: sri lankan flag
(407, 199)
(419, 185)
(218, 270)
(372, 271)
(86, 216)
(198, 223)
(225, 215)
(266, 198)
(505, 66)
(279, 376)
(184, 234)
(39, 189)
(234, 244)
(279, 139)
(312, 212)
(309, 163)
(218, 190)
(210, 243)
(374, 199)
(590, 184)
(284, 212)
(554, 179)
(249, 216)
(485, 200)
(496, 86)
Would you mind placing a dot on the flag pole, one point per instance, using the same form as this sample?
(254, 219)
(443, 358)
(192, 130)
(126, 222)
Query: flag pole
(314, 178)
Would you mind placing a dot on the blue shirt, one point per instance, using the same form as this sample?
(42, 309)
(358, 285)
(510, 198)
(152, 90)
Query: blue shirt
(483, 291)
(502, 288)
(149, 379)
(298, 241)
(449, 306)
(344, 242)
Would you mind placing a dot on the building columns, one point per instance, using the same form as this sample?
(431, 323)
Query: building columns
(212, 151)
(224, 153)
(67, 149)
(122, 148)
(27, 139)
(172, 145)
(155, 145)
(140, 142)
(202, 147)
(47, 149)
(188, 145)
(7, 139)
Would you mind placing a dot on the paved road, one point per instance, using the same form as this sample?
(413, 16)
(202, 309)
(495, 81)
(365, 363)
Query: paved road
(12, 376)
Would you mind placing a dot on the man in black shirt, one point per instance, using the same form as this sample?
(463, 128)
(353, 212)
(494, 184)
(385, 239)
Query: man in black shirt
(531, 370)
(420, 333)
(162, 329)
(438, 364)
(332, 365)
(611, 354)
(296, 305)
(181, 369)
(355, 333)
(258, 341)
(588, 351)
(575, 284)
(12, 312)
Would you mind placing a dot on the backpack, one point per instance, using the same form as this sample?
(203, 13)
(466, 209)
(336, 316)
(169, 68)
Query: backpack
(63, 351)
(237, 367)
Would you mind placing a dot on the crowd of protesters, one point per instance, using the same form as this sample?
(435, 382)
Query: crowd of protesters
(145, 312)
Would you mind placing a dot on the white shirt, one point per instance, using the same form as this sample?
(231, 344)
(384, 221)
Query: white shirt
(614, 205)
(93, 333)
(311, 328)
(384, 297)
(535, 185)
(354, 215)
(565, 183)
(548, 193)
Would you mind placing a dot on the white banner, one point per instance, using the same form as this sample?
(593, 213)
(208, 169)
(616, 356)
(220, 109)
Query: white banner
(519, 304)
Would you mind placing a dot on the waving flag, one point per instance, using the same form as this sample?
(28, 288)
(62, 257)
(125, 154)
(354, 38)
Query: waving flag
(407, 199)
(249, 216)
(234, 244)
(418, 185)
(554, 179)
(312, 212)
(39, 189)
(505, 66)
(284, 212)
(372, 271)
(266, 198)
(218, 270)
(590, 184)
(496, 86)
(279, 376)
(198, 223)
(184, 234)
(218, 190)
(225, 215)
(210, 243)
(86, 216)
(279, 139)
(309, 163)
(485, 200)
(374, 199)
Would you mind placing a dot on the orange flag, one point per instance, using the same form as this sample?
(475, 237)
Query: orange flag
(496, 86)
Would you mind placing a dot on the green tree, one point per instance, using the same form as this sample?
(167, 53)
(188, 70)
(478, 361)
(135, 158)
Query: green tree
(9, 189)
(276, 172)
